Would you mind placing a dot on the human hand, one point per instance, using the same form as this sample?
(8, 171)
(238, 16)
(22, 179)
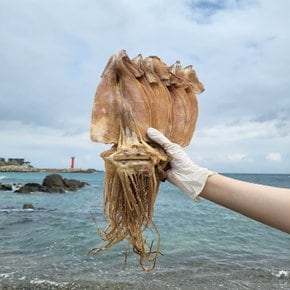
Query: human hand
(184, 173)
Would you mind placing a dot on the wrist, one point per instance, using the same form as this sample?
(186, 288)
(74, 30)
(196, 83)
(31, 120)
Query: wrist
(201, 179)
(209, 186)
(191, 180)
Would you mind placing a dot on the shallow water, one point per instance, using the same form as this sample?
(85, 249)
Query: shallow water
(204, 246)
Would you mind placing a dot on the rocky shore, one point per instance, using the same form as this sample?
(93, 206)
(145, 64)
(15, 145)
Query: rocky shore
(52, 183)
(28, 168)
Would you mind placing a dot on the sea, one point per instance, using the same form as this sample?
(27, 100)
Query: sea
(203, 245)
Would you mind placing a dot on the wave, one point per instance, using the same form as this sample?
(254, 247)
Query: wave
(6, 275)
(282, 274)
(49, 283)
(12, 209)
(15, 209)
(2, 177)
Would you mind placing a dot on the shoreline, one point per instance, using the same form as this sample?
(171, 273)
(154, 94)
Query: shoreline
(24, 168)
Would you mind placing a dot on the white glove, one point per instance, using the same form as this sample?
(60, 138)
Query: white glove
(184, 174)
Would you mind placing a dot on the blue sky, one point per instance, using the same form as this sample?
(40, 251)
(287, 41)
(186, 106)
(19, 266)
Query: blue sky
(52, 54)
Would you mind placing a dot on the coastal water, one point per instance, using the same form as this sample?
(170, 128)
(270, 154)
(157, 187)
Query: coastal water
(204, 246)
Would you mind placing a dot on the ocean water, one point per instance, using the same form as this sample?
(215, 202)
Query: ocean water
(203, 245)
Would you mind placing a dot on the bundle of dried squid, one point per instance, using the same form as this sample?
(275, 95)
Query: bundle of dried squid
(132, 96)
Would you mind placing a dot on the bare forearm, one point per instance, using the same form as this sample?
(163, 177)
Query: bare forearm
(269, 205)
(266, 204)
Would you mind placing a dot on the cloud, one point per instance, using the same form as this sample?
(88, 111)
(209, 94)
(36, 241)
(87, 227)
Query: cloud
(241, 146)
(236, 157)
(242, 130)
(52, 55)
(49, 147)
(274, 156)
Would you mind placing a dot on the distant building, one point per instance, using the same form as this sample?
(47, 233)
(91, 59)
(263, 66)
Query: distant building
(13, 161)
(18, 161)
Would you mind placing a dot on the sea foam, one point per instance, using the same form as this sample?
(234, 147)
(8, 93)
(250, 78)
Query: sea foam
(282, 274)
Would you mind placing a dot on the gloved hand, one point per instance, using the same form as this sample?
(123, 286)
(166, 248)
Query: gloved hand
(186, 175)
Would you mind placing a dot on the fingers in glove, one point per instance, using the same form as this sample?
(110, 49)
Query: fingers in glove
(157, 137)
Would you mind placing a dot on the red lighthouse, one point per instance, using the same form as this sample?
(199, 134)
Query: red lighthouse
(72, 164)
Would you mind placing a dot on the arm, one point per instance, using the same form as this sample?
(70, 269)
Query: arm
(269, 205)
(266, 204)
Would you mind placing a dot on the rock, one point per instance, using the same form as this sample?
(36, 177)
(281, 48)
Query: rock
(18, 168)
(5, 187)
(55, 189)
(53, 183)
(29, 168)
(28, 206)
(30, 187)
(54, 180)
(74, 184)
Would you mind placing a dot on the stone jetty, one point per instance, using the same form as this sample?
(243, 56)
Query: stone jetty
(29, 168)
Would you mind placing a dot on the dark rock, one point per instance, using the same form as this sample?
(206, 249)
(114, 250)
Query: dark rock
(53, 183)
(53, 180)
(74, 184)
(5, 187)
(30, 187)
(28, 206)
(55, 189)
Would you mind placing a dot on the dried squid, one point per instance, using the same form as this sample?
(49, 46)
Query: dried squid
(133, 95)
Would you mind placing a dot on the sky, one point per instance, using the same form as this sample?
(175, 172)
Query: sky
(53, 52)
